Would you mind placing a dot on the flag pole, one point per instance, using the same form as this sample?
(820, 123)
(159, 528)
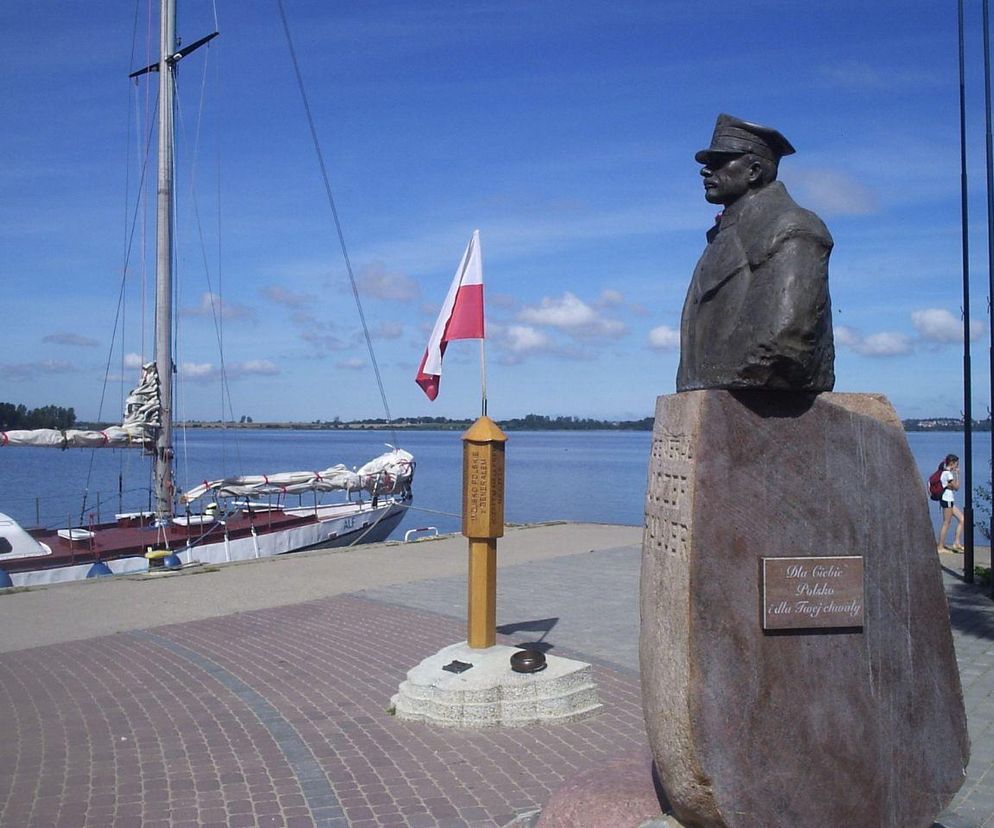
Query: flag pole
(483, 375)
(990, 269)
(968, 573)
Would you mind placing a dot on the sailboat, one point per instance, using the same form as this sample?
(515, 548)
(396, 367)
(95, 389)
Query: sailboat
(244, 517)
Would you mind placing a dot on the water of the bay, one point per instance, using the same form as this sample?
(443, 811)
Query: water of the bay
(592, 476)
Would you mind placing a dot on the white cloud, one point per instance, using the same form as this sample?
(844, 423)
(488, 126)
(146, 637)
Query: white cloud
(501, 300)
(831, 192)
(375, 280)
(304, 319)
(857, 76)
(388, 329)
(884, 344)
(352, 363)
(29, 370)
(571, 314)
(208, 372)
(323, 342)
(257, 367)
(318, 333)
(522, 339)
(211, 304)
(66, 338)
(282, 296)
(664, 338)
(527, 235)
(133, 360)
(198, 371)
(516, 343)
(610, 298)
(939, 325)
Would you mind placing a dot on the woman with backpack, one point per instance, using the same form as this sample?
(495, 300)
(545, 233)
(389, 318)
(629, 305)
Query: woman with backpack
(949, 478)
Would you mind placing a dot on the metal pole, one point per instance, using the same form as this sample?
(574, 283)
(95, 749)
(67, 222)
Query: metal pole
(967, 403)
(990, 226)
(164, 260)
(483, 377)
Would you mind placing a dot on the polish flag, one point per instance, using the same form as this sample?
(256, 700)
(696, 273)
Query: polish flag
(461, 316)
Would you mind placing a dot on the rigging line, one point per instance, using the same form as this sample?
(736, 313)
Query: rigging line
(216, 304)
(132, 108)
(334, 213)
(412, 508)
(118, 313)
(219, 235)
(124, 270)
(179, 396)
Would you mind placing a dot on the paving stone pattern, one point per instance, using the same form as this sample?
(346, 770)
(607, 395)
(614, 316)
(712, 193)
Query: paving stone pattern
(277, 717)
(971, 611)
(271, 718)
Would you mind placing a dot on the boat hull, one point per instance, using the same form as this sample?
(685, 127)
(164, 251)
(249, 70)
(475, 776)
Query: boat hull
(70, 556)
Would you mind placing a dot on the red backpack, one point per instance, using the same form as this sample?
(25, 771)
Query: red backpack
(935, 487)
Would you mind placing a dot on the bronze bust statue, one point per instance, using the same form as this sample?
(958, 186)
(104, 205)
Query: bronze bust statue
(758, 312)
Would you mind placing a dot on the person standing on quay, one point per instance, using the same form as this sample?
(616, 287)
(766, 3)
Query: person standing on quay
(947, 504)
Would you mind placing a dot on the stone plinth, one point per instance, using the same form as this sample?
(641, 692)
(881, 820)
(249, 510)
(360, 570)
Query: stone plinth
(621, 793)
(491, 694)
(862, 727)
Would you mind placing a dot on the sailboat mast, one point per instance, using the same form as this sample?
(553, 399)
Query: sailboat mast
(163, 485)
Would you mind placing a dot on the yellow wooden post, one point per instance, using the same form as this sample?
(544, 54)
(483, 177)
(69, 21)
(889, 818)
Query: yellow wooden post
(483, 523)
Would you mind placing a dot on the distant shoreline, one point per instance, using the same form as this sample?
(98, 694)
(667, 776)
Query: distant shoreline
(448, 425)
(530, 423)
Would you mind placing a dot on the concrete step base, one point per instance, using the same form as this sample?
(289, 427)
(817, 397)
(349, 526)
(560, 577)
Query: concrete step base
(491, 694)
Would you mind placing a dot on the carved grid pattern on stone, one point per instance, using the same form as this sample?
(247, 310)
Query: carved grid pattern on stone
(672, 447)
(666, 528)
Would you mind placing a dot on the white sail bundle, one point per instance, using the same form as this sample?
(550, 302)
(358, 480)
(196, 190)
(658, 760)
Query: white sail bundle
(141, 416)
(390, 472)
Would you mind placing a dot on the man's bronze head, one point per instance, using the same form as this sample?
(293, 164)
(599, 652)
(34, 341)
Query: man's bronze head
(742, 156)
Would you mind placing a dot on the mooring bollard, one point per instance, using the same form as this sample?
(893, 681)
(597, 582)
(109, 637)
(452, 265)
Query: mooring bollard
(482, 524)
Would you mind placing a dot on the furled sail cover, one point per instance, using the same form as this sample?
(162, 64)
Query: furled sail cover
(389, 473)
(141, 419)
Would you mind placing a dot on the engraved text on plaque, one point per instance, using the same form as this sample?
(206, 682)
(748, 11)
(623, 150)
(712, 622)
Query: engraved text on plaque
(812, 593)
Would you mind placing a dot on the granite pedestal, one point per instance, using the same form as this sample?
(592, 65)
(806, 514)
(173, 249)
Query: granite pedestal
(859, 724)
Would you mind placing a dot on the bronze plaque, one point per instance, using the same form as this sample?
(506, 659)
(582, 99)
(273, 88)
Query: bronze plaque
(812, 593)
(483, 490)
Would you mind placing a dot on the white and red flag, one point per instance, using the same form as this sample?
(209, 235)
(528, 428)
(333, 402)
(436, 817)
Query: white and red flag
(461, 316)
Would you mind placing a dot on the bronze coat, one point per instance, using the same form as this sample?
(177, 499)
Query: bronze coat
(758, 312)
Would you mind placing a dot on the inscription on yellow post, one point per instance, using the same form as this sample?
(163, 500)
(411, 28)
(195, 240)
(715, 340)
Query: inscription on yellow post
(483, 523)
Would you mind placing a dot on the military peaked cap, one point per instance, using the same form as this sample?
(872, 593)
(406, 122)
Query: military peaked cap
(733, 136)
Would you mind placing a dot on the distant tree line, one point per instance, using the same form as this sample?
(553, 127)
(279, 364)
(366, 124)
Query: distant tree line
(944, 424)
(540, 422)
(530, 422)
(48, 416)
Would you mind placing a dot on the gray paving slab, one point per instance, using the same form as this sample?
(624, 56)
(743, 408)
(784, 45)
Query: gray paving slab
(256, 695)
(583, 605)
(65, 612)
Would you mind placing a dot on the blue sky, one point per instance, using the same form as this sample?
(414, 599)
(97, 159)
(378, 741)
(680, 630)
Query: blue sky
(564, 131)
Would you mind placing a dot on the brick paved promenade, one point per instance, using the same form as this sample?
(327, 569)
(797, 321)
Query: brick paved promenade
(155, 703)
